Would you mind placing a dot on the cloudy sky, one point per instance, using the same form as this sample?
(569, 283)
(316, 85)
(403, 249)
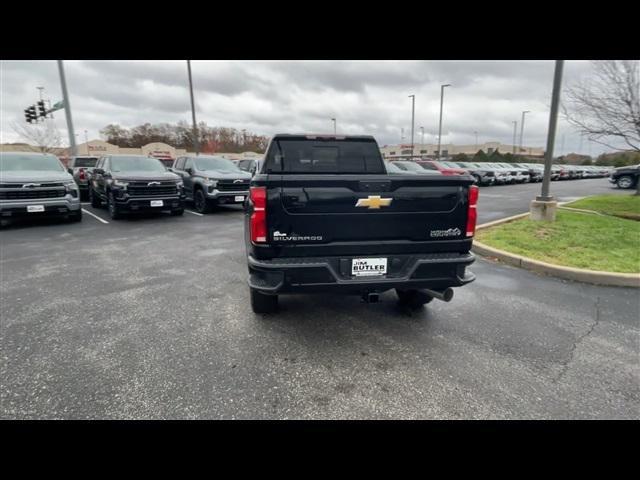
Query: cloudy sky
(366, 97)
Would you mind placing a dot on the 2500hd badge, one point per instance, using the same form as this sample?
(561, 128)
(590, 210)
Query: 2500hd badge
(324, 216)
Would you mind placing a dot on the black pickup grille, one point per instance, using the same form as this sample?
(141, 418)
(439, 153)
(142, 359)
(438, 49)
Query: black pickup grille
(16, 191)
(143, 189)
(233, 187)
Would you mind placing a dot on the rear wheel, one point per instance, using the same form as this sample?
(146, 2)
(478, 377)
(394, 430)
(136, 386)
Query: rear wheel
(413, 298)
(625, 181)
(476, 179)
(200, 202)
(261, 303)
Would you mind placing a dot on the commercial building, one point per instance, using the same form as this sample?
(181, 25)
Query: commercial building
(161, 151)
(448, 150)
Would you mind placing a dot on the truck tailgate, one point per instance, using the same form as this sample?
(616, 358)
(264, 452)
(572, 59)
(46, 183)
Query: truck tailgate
(327, 214)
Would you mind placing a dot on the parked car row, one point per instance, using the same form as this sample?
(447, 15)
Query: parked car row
(491, 173)
(38, 184)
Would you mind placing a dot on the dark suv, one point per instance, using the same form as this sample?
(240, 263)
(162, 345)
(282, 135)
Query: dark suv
(210, 181)
(135, 183)
(625, 177)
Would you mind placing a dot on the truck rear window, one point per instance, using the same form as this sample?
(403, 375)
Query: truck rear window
(324, 156)
(85, 162)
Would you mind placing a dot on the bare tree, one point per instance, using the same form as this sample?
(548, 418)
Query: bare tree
(43, 137)
(608, 106)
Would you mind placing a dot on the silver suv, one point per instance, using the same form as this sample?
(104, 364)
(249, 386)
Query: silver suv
(36, 185)
(210, 181)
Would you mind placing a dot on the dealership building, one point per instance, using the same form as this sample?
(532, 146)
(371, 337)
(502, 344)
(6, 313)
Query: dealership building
(396, 152)
(161, 151)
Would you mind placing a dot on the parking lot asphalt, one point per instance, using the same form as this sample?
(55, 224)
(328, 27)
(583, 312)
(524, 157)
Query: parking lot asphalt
(149, 318)
(506, 200)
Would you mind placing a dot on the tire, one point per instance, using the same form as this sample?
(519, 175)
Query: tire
(200, 202)
(413, 298)
(177, 213)
(261, 303)
(76, 216)
(625, 181)
(477, 179)
(94, 199)
(114, 213)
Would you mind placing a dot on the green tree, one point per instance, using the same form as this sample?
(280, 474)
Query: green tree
(480, 156)
(460, 157)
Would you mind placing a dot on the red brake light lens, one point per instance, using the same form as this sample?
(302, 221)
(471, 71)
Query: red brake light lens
(472, 212)
(81, 175)
(258, 223)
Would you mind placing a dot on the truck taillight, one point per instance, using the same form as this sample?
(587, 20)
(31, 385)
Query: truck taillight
(258, 224)
(472, 212)
(82, 175)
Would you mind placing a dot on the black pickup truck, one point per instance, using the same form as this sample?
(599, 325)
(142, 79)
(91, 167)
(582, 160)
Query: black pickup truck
(323, 215)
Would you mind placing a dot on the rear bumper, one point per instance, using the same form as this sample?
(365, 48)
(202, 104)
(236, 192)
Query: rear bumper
(333, 274)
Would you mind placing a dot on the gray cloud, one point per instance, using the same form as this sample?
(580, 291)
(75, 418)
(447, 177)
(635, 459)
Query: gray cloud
(278, 96)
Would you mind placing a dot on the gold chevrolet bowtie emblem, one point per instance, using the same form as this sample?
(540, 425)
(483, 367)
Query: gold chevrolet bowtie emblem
(373, 201)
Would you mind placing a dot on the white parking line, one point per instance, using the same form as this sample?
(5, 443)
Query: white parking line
(195, 213)
(94, 216)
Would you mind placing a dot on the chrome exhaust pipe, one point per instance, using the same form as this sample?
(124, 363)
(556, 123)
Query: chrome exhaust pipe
(446, 295)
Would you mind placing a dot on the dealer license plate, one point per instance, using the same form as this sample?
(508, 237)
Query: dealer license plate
(156, 203)
(368, 267)
(35, 208)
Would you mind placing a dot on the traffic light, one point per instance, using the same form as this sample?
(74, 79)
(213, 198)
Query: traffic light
(30, 114)
(42, 110)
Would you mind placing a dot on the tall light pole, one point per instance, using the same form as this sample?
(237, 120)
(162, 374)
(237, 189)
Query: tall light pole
(551, 134)
(86, 140)
(413, 116)
(422, 130)
(335, 129)
(401, 134)
(196, 146)
(522, 128)
(476, 133)
(515, 127)
(440, 123)
(67, 109)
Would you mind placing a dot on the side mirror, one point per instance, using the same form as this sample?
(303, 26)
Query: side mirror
(189, 170)
(70, 170)
(98, 171)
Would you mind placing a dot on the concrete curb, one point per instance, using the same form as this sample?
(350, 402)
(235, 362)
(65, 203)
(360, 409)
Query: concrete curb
(594, 277)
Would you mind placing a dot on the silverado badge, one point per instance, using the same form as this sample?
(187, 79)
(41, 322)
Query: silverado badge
(373, 201)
